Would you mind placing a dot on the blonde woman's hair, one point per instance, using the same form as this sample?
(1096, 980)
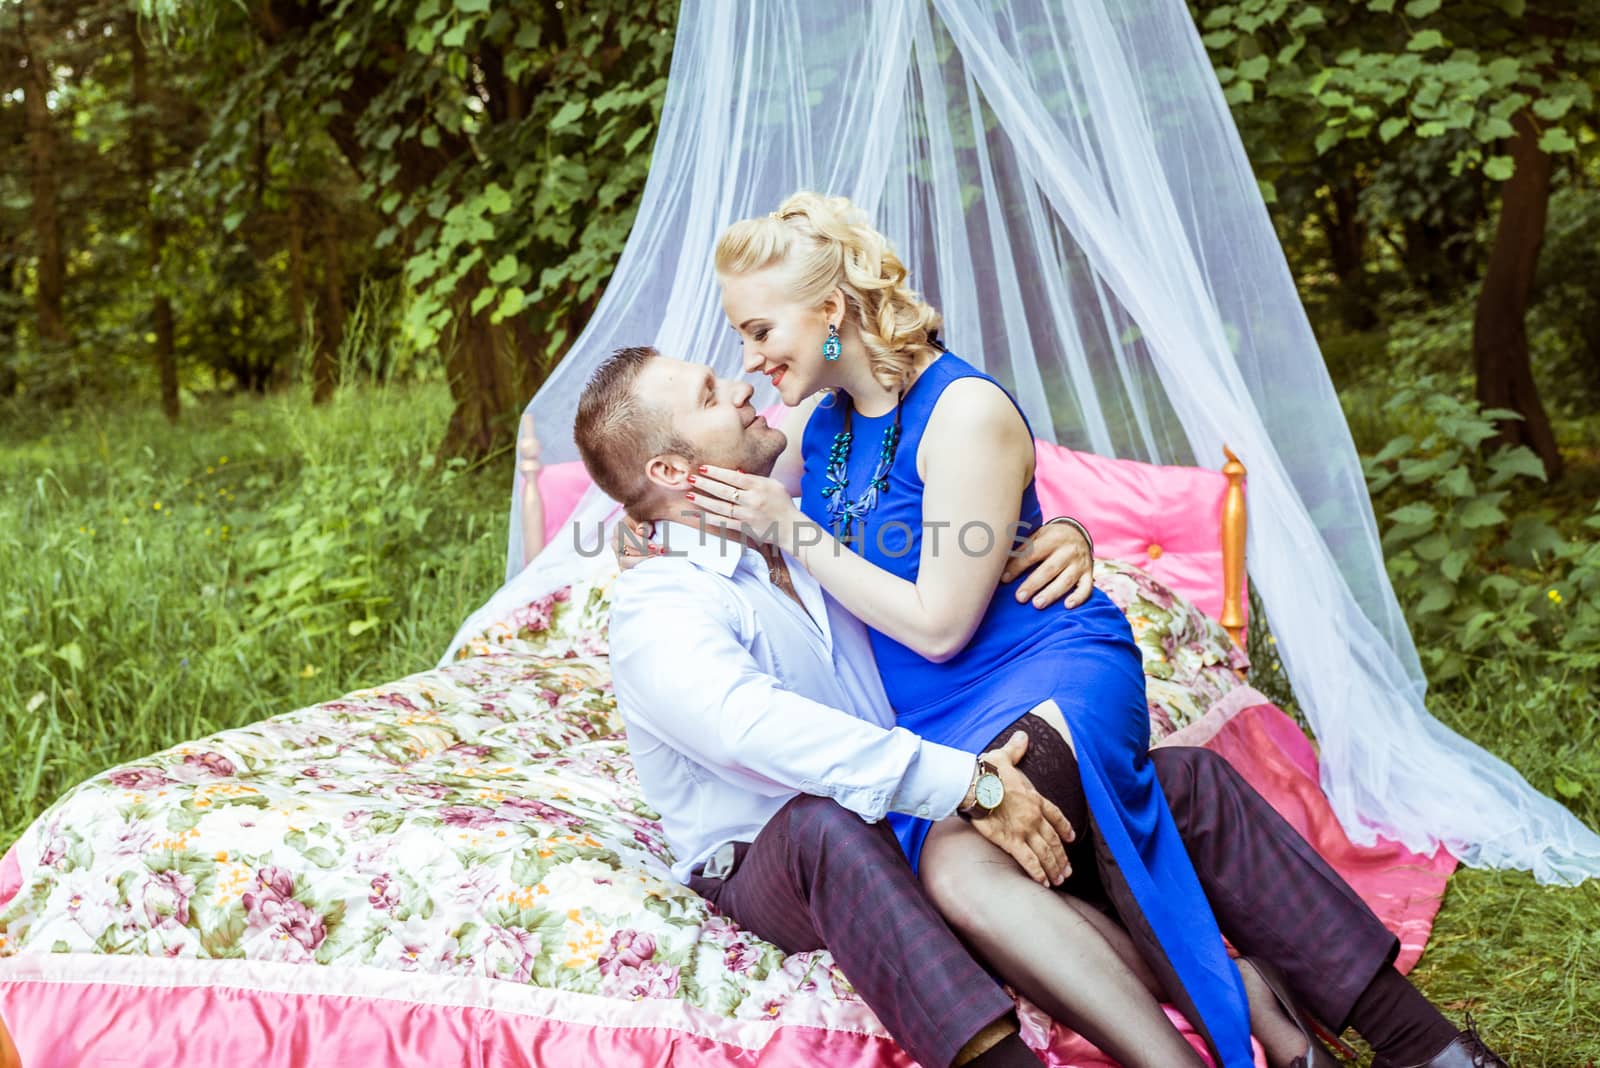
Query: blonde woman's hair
(827, 243)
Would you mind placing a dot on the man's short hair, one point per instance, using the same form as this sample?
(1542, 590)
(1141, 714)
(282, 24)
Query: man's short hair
(617, 430)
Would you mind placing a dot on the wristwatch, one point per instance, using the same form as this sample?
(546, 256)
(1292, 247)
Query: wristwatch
(987, 791)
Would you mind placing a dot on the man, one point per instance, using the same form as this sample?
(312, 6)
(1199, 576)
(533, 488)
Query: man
(761, 733)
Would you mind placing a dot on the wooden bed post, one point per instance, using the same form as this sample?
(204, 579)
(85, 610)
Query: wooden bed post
(9, 1058)
(1234, 525)
(532, 503)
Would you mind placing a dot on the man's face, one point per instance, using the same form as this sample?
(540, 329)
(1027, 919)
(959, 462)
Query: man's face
(711, 415)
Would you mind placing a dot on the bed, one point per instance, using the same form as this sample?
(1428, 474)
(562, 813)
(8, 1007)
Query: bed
(457, 867)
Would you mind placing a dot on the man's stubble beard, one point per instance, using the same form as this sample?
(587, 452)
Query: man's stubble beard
(751, 460)
(760, 464)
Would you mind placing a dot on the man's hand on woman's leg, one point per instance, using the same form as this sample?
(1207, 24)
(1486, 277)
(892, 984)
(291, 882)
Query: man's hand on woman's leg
(1027, 825)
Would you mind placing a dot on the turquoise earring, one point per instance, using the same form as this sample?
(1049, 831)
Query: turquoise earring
(830, 347)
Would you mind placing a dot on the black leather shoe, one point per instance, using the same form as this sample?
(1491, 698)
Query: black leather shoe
(1316, 1054)
(1467, 1051)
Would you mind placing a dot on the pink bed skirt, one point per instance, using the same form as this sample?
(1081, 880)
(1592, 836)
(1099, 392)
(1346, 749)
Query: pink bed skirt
(139, 1012)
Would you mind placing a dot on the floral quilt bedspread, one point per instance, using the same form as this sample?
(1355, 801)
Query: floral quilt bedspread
(482, 819)
(478, 820)
(1189, 659)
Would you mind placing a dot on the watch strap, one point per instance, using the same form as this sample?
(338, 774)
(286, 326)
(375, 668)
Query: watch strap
(984, 767)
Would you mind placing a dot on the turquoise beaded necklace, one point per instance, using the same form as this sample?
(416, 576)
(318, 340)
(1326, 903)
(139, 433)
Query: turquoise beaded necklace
(842, 512)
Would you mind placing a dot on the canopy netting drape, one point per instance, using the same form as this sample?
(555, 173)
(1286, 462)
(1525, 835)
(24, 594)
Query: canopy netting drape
(1065, 183)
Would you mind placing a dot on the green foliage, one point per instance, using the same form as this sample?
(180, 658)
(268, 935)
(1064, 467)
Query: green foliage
(146, 214)
(505, 146)
(321, 557)
(485, 159)
(1381, 132)
(1481, 578)
(1356, 71)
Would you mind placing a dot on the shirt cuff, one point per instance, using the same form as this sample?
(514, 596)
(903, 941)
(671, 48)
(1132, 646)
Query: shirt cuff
(935, 782)
(1081, 530)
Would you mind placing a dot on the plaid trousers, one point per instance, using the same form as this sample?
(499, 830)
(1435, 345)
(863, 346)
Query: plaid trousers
(1273, 895)
(818, 876)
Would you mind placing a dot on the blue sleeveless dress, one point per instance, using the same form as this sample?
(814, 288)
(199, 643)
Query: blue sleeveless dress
(1085, 659)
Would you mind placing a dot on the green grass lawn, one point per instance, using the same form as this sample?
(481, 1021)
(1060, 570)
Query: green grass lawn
(1524, 959)
(161, 583)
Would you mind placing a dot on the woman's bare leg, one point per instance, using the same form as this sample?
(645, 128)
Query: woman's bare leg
(1047, 946)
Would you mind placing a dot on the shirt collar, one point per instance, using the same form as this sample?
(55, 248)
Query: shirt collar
(702, 548)
(724, 556)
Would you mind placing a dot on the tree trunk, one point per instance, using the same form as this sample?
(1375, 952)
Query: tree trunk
(1347, 245)
(10, 285)
(330, 316)
(155, 228)
(297, 265)
(1499, 328)
(484, 367)
(52, 320)
(492, 374)
(9, 288)
(166, 357)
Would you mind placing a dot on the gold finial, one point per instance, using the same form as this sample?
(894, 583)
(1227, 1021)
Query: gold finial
(1234, 523)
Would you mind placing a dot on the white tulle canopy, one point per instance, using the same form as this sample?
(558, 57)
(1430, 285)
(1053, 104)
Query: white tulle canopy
(1066, 184)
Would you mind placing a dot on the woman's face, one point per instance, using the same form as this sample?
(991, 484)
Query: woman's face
(781, 339)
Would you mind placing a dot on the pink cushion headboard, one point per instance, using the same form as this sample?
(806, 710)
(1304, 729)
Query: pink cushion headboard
(1167, 520)
(560, 486)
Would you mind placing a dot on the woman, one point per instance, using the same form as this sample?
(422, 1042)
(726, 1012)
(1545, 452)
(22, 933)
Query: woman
(923, 466)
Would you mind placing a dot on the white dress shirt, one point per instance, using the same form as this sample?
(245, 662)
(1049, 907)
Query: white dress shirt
(736, 699)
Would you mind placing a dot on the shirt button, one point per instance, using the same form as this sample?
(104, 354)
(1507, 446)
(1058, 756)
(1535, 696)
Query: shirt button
(924, 811)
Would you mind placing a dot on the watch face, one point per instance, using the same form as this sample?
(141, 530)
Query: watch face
(990, 791)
